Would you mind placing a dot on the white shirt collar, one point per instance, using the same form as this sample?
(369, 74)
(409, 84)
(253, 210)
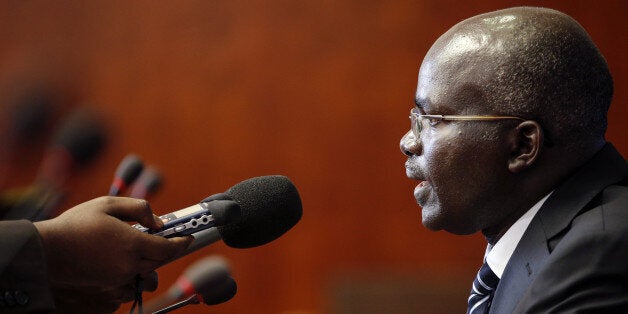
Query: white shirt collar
(498, 256)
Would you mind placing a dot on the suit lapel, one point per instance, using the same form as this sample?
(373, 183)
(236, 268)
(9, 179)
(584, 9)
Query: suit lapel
(529, 256)
(605, 168)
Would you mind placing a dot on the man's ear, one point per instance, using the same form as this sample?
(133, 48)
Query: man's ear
(526, 145)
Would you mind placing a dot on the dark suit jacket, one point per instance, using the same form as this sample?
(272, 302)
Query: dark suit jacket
(574, 255)
(24, 284)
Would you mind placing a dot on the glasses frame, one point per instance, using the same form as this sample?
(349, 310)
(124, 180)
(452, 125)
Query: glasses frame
(417, 125)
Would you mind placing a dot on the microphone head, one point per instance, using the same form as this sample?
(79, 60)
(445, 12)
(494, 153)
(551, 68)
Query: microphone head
(148, 183)
(78, 140)
(203, 275)
(128, 170)
(82, 136)
(270, 206)
(221, 293)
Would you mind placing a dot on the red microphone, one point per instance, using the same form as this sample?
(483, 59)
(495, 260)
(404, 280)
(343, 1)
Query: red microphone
(147, 184)
(128, 170)
(209, 277)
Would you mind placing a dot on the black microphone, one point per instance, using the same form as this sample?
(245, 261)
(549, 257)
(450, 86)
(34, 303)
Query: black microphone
(269, 205)
(147, 184)
(221, 293)
(128, 170)
(210, 276)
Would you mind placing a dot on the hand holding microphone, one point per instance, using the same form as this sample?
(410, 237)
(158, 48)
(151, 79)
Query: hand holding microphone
(110, 253)
(90, 250)
(91, 245)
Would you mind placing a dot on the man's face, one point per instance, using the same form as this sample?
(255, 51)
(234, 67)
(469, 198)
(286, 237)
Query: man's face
(461, 165)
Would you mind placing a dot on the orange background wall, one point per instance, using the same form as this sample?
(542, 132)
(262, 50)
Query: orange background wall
(214, 92)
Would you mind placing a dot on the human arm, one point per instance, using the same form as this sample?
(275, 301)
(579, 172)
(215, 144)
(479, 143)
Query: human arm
(24, 284)
(91, 245)
(87, 258)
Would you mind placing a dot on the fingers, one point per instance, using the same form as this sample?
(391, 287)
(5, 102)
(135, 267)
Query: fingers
(157, 251)
(131, 209)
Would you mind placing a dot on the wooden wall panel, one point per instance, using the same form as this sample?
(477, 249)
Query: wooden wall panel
(214, 92)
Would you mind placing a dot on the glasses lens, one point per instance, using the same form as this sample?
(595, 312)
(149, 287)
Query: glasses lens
(415, 124)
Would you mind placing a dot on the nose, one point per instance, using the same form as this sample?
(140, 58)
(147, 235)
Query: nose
(409, 145)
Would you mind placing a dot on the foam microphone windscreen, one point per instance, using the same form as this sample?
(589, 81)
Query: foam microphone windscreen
(270, 206)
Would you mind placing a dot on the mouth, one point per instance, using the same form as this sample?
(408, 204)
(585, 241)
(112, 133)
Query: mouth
(422, 190)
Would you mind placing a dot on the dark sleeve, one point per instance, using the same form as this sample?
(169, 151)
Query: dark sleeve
(24, 286)
(588, 270)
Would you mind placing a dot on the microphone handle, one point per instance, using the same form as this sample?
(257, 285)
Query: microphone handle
(202, 239)
(191, 300)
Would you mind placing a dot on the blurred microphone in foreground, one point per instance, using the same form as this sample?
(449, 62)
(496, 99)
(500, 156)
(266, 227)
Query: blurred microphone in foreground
(209, 277)
(26, 117)
(76, 143)
(147, 184)
(223, 293)
(131, 173)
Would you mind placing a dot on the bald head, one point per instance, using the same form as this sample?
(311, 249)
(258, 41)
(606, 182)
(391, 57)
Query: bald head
(536, 63)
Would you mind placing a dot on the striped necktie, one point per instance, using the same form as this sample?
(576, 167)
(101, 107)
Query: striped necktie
(482, 290)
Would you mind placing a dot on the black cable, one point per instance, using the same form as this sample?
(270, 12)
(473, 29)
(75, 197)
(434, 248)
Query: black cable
(139, 288)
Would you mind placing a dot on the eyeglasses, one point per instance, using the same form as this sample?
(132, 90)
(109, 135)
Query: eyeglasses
(416, 119)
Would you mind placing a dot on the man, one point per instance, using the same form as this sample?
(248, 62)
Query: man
(84, 261)
(507, 138)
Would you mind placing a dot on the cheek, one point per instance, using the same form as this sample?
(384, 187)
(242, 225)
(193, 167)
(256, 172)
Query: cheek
(457, 168)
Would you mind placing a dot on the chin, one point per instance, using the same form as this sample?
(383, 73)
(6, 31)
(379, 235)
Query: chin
(461, 231)
(430, 219)
(435, 221)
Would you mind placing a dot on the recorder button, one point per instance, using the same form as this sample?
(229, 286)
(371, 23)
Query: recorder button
(179, 228)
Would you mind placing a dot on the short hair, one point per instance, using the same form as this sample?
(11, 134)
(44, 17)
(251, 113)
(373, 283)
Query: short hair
(549, 70)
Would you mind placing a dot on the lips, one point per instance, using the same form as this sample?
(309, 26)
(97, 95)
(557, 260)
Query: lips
(421, 192)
